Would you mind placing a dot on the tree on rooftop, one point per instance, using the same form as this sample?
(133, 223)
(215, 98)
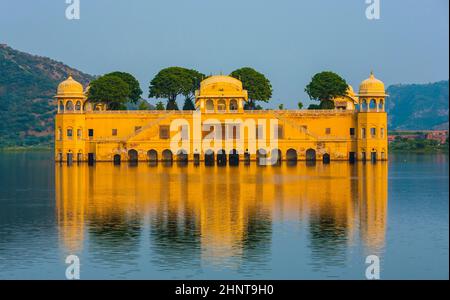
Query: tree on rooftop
(326, 86)
(110, 90)
(258, 86)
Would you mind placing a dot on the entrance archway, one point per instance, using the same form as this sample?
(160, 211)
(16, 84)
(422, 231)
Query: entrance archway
(326, 158)
(133, 156)
(152, 156)
(182, 156)
(234, 158)
(276, 156)
(310, 155)
(261, 155)
(116, 159)
(221, 158)
(209, 158)
(167, 156)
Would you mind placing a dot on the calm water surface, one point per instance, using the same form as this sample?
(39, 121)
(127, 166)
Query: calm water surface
(248, 222)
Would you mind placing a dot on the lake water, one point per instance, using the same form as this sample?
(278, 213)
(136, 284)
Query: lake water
(247, 222)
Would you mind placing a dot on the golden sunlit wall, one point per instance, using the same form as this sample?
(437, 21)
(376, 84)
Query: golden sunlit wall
(356, 131)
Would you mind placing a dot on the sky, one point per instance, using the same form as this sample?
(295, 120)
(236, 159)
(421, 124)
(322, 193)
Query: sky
(287, 40)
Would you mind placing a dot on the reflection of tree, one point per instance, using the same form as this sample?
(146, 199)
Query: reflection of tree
(175, 238)
(115, 235)
(328, 240)
(257, 238)
(175, 233)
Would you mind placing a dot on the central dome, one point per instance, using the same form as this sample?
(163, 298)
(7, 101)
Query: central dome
(70, 88)
(221, 79)
(372, 87)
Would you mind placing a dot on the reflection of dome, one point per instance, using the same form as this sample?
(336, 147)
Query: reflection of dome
(70, 88)
(372, 87)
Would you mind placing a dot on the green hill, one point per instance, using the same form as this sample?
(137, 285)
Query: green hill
(27, 86)
(418, 106)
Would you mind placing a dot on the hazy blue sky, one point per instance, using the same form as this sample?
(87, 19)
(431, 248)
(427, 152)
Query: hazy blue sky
(288, 40)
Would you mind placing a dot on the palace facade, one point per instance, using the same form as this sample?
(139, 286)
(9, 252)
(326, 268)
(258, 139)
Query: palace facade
(220, 130)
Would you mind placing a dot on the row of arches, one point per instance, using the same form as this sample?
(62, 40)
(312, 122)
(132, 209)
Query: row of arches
(78, 106)
(221, 157)
(221, 105)
(373, 105)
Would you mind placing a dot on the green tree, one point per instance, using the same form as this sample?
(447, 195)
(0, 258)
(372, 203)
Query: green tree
(171, 82)
(160, 106)
(133, 85)
(281, 106)
(188, 104)
(143, 105)
(300, 105)
(326, 104)
(258, 86)
(111, 90)
(313, 106)
(325, 86)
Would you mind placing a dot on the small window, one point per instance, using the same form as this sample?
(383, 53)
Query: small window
(114, 132)
(373, 132)
(164, 132)
(279, 131)
(60, 135)
(352, 131)
(69, 133)
(259, 132)
(79, 133)
(327, 130)
(363, 133)
(137, 128)
(382, 132)
(91, 132)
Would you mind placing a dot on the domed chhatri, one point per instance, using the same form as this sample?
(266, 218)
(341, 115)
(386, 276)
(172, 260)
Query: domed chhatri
(372, 87)
(70, 88)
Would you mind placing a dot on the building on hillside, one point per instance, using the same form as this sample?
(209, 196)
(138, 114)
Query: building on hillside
(220, 130)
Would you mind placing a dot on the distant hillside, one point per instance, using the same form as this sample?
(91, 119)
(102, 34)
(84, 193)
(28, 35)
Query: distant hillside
(418, 106)
(27, 86)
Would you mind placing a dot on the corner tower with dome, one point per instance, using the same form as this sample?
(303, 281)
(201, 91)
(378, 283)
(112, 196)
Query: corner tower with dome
(220, 130)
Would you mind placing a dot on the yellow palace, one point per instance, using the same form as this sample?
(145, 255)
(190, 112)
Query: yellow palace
(220, 130)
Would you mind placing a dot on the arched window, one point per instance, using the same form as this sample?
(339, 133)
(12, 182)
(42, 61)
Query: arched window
(373, 105)
(79, 133)
(233, 104)
(221, 105)
(381, 105)
(210, 105)
(69, 106)
(60, 135)
(61, 106)
(87, 106)
(364, 105)
(78, 106)
(70, 133)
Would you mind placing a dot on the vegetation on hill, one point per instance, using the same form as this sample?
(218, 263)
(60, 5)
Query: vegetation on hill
(27, 86)
(417, 145)
(418, 106)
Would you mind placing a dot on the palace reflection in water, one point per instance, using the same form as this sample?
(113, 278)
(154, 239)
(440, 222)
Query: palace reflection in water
(222, 217)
